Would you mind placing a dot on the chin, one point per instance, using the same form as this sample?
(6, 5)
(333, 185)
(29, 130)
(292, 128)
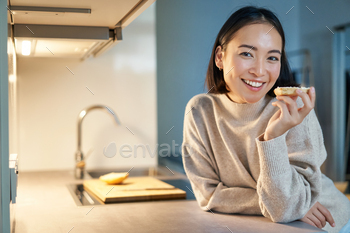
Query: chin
(253, 99)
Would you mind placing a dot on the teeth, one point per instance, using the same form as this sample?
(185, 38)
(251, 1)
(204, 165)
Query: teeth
(254, 84)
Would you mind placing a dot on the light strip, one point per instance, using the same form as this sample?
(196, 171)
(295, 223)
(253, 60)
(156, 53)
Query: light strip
(26, 47)
(12, 78)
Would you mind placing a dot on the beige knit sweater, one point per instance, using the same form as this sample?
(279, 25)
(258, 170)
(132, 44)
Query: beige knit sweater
(232, 170)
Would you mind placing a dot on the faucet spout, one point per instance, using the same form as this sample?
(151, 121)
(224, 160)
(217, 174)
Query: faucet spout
(79, 156)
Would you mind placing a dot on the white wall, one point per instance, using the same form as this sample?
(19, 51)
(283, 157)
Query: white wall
(318, 39)
(51, 97)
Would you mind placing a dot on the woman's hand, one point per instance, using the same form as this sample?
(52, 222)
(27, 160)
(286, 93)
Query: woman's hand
(318, 216)
(288, 114)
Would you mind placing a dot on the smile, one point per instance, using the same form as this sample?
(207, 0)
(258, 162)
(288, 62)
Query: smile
(253, 84)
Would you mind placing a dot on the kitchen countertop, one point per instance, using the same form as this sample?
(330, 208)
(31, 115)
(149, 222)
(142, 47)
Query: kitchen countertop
(44, 204)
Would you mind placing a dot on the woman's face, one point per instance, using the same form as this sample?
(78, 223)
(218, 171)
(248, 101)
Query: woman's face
(255, 55)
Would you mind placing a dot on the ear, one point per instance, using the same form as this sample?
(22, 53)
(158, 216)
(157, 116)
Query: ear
(218, 57)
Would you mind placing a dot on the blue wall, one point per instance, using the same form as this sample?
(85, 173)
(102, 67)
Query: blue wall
(315, 36)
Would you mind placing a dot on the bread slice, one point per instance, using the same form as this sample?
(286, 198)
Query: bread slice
(290, 91)
(114, 177)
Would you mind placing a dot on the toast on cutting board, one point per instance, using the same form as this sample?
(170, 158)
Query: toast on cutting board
(114, 177)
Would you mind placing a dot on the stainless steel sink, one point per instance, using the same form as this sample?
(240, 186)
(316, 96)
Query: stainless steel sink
(82, 197)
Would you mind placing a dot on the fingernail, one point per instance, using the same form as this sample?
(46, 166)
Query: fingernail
(298, 91)
(312, 89)
(333, 225)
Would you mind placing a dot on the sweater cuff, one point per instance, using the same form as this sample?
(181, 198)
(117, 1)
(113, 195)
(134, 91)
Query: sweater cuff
(273, 155)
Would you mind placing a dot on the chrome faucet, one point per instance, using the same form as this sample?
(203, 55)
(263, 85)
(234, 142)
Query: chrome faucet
(79, 156)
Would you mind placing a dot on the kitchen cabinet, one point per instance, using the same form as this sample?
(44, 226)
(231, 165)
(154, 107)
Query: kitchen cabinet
(78, 28)
(103, 12)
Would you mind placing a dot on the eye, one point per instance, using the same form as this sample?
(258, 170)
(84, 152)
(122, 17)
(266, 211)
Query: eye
(245, 54)
(273, 58)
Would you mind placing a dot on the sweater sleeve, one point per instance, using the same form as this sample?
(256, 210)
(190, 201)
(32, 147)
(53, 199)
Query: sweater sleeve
(200, 167)
(290, 177)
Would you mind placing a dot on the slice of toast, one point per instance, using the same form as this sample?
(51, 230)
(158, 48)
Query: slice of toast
(290, 91)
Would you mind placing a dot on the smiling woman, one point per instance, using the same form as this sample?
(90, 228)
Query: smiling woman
(247, 151)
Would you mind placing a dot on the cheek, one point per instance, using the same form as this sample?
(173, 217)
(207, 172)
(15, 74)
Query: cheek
(240, 67)
(275, 72)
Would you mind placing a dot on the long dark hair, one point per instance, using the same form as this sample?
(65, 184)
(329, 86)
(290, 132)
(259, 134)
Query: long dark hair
(245, 16)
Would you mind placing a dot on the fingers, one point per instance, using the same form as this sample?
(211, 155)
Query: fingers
(294, 97)
(292, 105)
(315, 220)
(312, 95)
(308, 100)
(283, 110)
(289, 115)
(308, 221)
(282, 106)
(276, 115)
(325, 212)
(320, 217)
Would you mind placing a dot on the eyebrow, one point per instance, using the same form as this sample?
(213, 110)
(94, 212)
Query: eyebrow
(255, 49)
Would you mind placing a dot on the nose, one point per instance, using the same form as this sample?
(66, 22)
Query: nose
(258, 68)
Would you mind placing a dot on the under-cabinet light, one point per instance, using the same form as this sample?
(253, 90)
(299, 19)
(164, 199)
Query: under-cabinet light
(26, 47)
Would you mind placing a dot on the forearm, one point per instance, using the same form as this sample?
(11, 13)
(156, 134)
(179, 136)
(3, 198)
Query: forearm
(286, 198)
(287, 186)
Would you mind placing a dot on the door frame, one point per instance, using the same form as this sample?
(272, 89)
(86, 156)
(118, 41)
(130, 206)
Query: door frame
(4, 125)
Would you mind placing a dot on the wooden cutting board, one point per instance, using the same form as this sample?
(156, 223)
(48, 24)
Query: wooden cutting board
(133, 189)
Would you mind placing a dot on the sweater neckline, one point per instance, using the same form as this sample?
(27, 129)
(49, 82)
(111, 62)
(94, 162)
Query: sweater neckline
(246, 111)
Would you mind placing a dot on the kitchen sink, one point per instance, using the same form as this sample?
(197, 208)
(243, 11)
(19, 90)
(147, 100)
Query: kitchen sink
(82, 197)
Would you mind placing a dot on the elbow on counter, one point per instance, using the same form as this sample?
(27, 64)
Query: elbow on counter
(284, 205)
(283, 218)
(283, 211)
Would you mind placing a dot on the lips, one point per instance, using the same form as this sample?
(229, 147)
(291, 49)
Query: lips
(252, 83)
(257, 85)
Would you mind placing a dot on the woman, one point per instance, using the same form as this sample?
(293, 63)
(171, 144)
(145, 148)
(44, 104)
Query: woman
(246, 151)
